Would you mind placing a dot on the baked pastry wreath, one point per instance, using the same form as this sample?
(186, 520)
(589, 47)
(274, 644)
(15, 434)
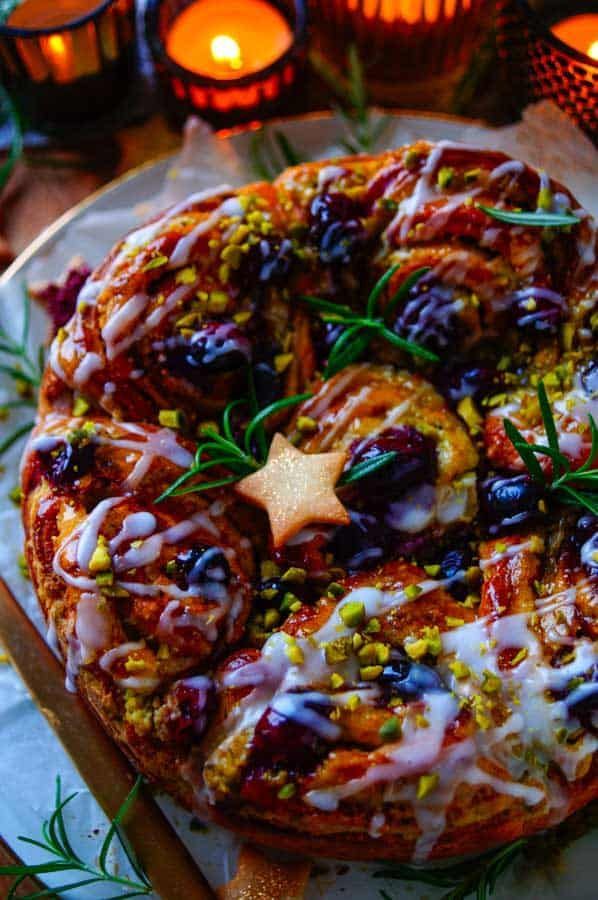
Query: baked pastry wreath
(420, 681)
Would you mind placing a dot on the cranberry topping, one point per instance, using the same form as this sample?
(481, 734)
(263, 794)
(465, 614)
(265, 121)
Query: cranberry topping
(335, 227)
(201, 566)
(537, 309)
(508, 502)
(216, 348)
(415, 462)
(360, 545)
(59, 298)
(429, 316)
(69, 462)
(280, 741)
(195, 699)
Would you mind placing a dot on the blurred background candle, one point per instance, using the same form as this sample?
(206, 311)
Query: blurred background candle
(228, 40)
(230, 61)
(67, 60)
(579, 32)
(414, 51)
(549, 50)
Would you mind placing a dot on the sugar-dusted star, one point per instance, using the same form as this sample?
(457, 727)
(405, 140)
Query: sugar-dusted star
(296, 489)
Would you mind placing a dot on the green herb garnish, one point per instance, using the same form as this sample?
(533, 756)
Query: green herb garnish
(578, 487)
(24, 370)
(539, 219)
(55, 841)
(271, 152)
(351, 90)
(362, 329)
(476, 876)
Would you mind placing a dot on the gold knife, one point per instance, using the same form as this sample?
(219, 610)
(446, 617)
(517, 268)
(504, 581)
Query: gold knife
(169, 866)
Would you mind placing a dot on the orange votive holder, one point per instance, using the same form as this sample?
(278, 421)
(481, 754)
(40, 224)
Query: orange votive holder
(228, 62)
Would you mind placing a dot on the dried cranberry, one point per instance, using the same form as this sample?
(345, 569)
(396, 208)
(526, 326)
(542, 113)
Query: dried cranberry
(509, 502)
(59, 298)
(476, 382)
(537, 309)
(216, 348)
(409, 680)
(335, 227)
(429, 315)
(68, 462)
(200, 566)
(360, 545)
(195, 699)
(414, 463)
(279, 740)
(589, 377)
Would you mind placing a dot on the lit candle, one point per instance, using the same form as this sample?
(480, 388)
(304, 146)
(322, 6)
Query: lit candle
(227, 40)
(579, 32)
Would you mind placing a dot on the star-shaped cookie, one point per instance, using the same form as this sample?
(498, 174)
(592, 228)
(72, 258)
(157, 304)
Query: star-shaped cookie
(296, 489)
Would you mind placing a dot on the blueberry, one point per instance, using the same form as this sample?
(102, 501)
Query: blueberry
(583, 699)
(200, 566)
(325, 335)
(589, 377)
(537, 309)
(509, 502)
(429, 315)
(69, 462)
(335, 227)
(476, 382)
(589, 554)
(454, 561)
(268, 384)
(415, 462)
(269, 261)
(410, 680)
(216, 348)
(360, 545)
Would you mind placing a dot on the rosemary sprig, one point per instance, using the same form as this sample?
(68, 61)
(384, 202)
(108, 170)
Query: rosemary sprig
(478, 876)
(222, 449)
(539, 219)
(353, 107)
(577, 487)
(270, 152)
(362, 329)
(24, 370)
(56, 843)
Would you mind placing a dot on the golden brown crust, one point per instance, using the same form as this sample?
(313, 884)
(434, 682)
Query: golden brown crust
(420, 682)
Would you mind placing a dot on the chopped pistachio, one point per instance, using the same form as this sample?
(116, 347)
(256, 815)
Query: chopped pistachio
(100, 560)
(453, 622)
(286, 791)
(544, 200)
(370, 673)
(372, 627)
(186, 275)
(491, 683)
(80, 406)
(335, 589)
(287, 601)
(445, 176)
(337, 651)
(271, 618)
(412, 591)
(427, 784)
(459, 669)
(416, 649)
(411, 158)
(170, 418)
(294, 574)
(353, 702)
(336, 680)
(105, 579)
(352, 613)
(282, 361)
(294, 653)
(155, 262)
(306, 423)
(357, 641)
(391, 729)
(269, 569)
(468, 412)
(432, 571)
(520, 656)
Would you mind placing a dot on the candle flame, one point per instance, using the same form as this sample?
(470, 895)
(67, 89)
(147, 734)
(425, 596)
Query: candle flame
(593, 50)
(225, 50)
(57, 46)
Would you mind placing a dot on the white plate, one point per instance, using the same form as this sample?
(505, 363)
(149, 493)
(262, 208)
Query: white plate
(30, 755)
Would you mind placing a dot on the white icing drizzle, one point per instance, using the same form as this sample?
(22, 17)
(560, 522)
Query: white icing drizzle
(532, 719)
(134, 682)
(182, 252)
(89, 364)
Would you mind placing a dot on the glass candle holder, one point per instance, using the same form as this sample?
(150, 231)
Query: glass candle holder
(65, 70)
(549, 50)
(228, 62)
(414, 51)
